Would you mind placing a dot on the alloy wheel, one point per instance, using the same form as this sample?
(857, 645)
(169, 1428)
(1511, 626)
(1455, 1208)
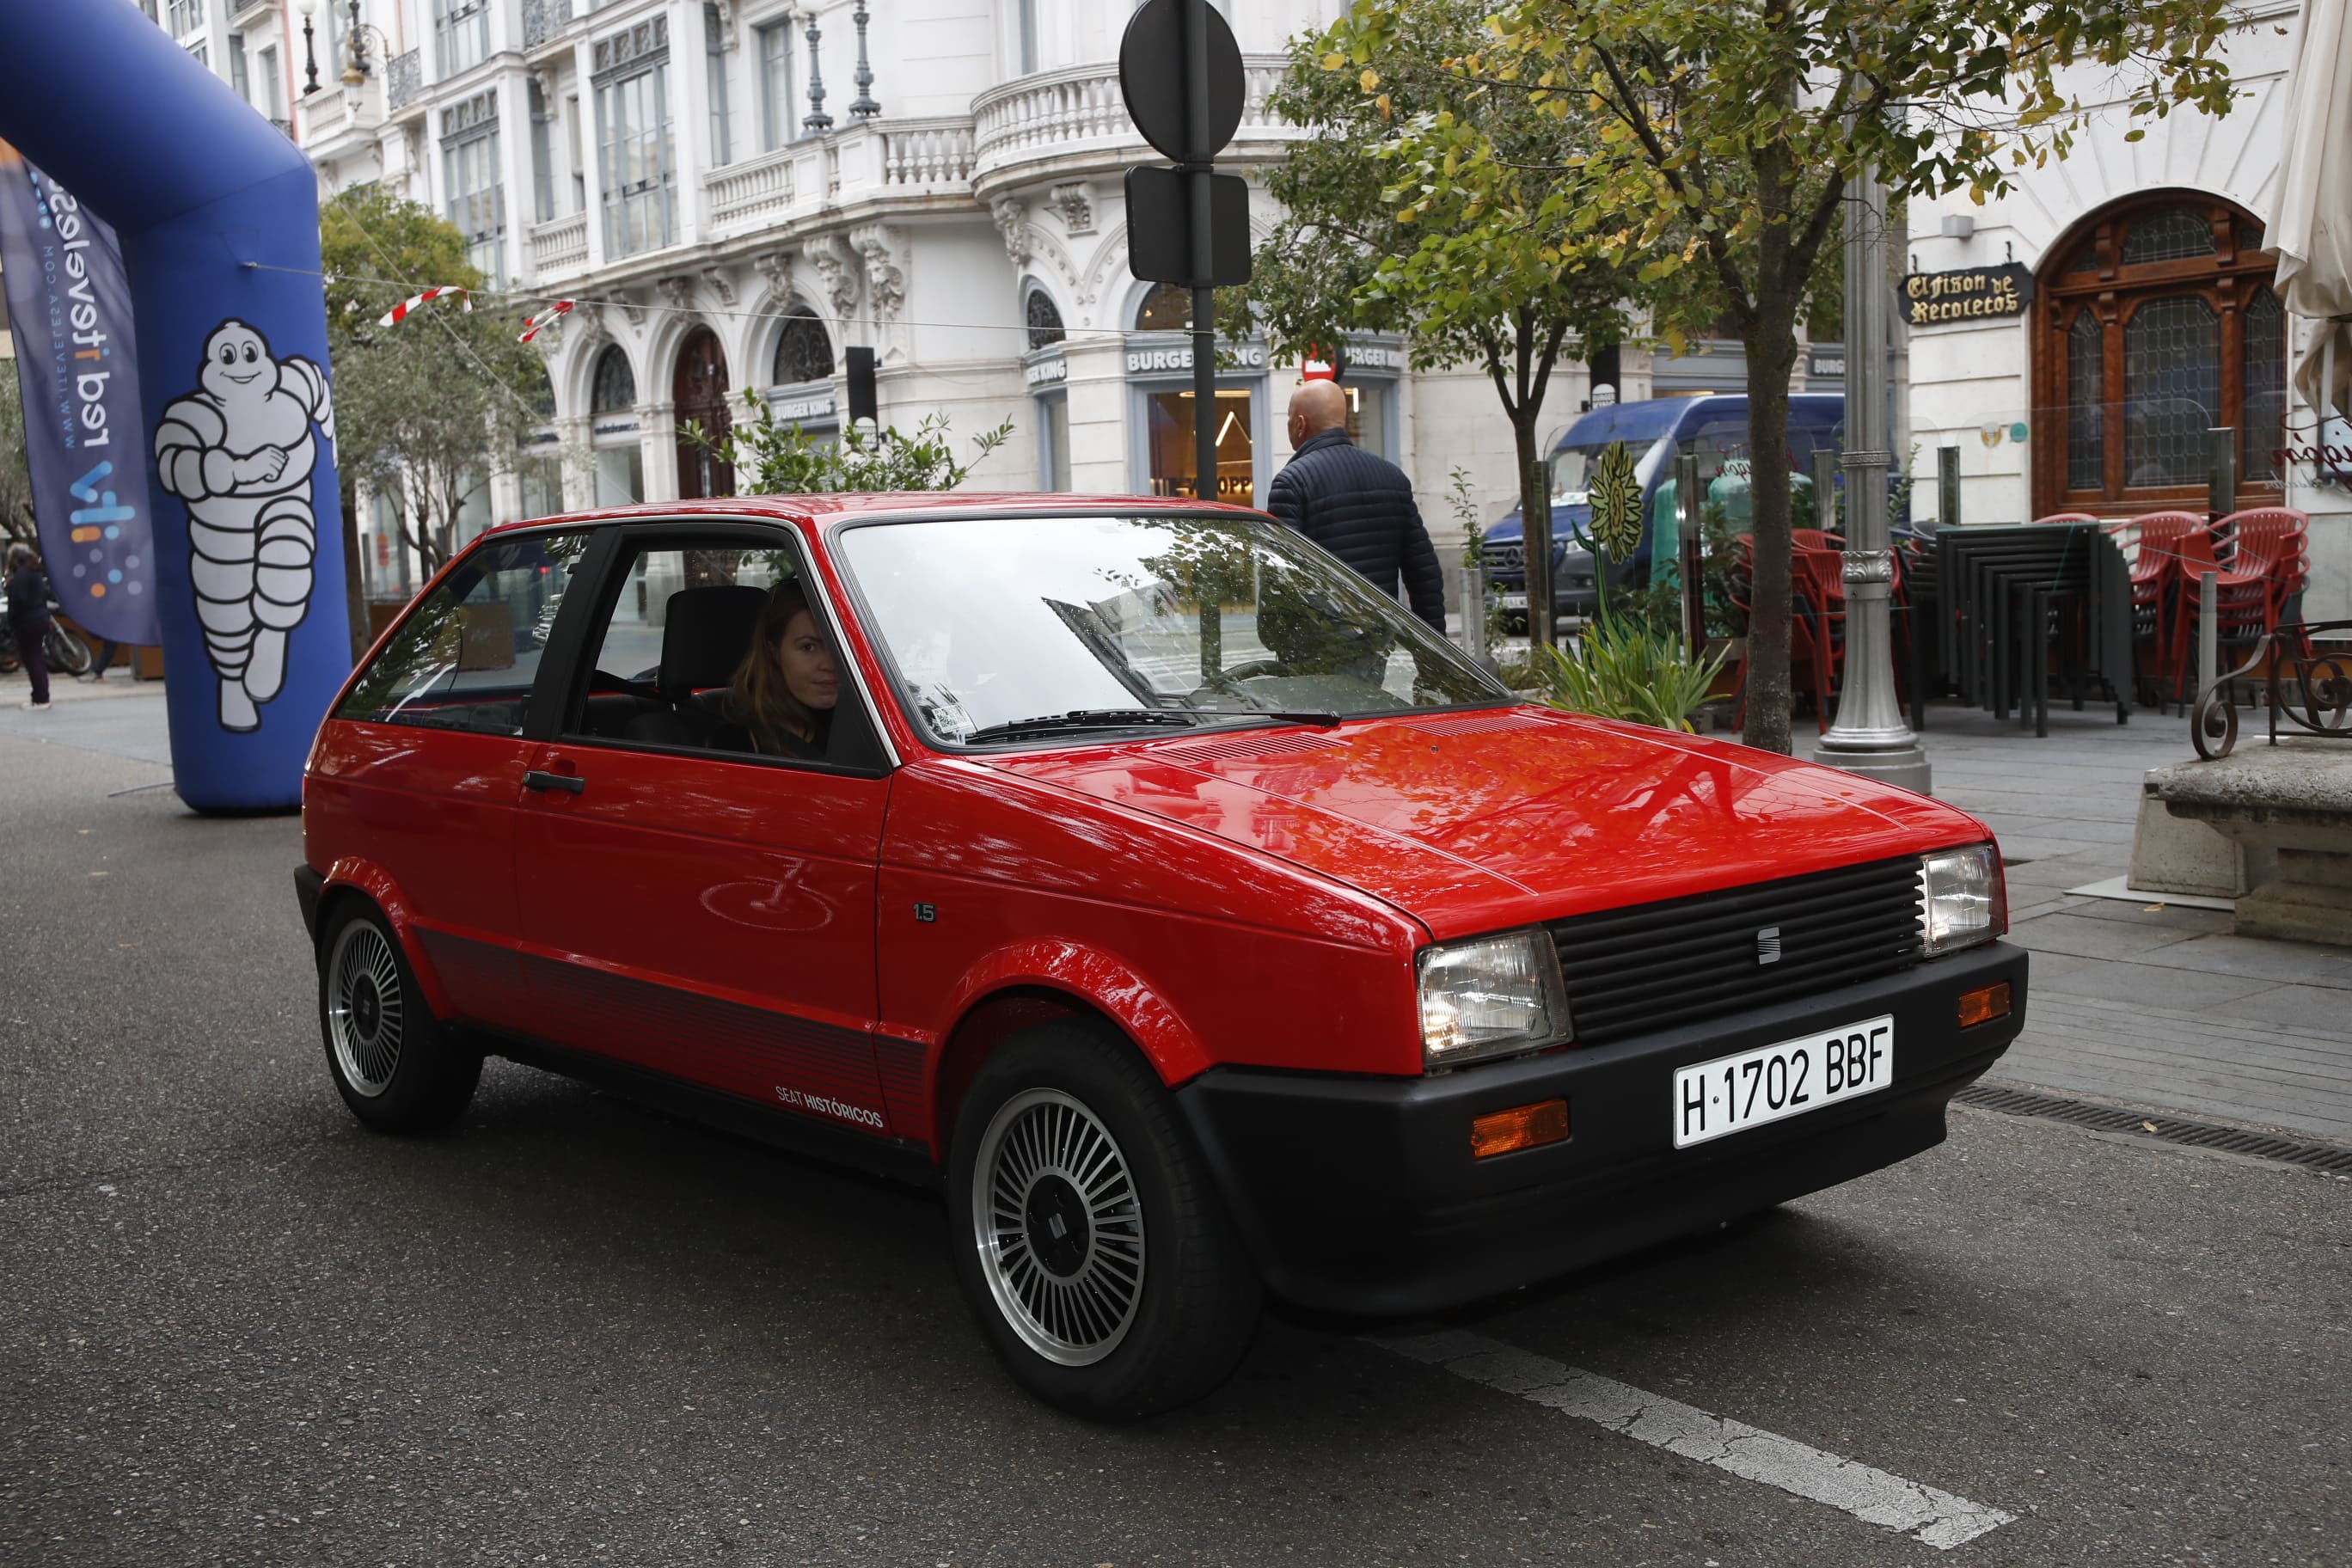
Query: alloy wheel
(1059, 1226)
(364, 1008)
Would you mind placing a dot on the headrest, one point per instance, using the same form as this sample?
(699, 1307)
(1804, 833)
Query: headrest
(705, 634)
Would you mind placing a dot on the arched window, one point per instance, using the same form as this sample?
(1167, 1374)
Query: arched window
(616, 389)
(1044, 318)
(543, 402)
(802, 351)
(1167, 309)
(2155, 324)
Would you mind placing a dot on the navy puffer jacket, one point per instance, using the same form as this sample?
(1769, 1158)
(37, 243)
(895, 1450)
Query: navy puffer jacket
(1360, 506)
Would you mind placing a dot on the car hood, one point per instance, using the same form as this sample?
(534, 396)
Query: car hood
(1483, 820)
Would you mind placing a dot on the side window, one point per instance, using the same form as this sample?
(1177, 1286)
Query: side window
(719, 648)
(465, 658)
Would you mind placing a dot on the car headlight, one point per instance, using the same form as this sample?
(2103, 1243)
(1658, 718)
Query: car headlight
(1962, 898)
(1492, 996)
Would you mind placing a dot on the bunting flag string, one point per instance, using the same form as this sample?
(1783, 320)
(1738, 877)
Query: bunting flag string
(530, 328)
(399, 313)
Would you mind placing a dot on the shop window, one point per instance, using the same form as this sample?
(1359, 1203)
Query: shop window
(802, 351)
(1173, 467)
(2155, 322)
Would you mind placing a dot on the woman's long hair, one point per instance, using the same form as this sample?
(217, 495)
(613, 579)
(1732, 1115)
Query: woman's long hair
(758, 699)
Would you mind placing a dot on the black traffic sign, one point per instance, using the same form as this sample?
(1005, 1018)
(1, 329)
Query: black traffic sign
(1152, 79)
(1160, 226)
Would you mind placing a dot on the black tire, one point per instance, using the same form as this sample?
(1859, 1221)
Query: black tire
(68, 655)
(397, 1066)
(1185, 1322)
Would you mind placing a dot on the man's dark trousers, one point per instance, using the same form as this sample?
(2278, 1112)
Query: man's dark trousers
(1360, 506)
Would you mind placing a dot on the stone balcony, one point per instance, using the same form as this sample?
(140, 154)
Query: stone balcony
(1074, 120)
(559, 248)
(877, 161)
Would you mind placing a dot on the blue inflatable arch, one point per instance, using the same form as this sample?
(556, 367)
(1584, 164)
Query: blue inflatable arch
(218, 217)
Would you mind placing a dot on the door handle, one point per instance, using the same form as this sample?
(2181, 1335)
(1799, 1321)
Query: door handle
(535, 779)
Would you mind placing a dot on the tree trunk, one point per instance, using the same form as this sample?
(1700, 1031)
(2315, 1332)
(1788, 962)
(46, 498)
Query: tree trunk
(1772, 356)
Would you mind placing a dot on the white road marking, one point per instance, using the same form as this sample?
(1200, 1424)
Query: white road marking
(1873, 1496)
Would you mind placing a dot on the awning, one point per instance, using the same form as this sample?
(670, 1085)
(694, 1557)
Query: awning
(2311, 223)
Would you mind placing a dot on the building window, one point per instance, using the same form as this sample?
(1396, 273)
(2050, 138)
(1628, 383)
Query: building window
(273, 86)
(578, 165)
(615, 390)
(714, 43)
(636, 168)
(239, 77)
(469, 166)
(1028, 36)
(620, 459)
(1045, 319)
(1167, 309)
(1054, 441)
(2155, 324)
(542, 157)
(804, 352)
(776, 119)
(182, 17)
(461, 34)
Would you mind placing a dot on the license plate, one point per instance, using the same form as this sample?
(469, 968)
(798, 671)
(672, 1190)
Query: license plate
(1771, 1083)
(1514, 601)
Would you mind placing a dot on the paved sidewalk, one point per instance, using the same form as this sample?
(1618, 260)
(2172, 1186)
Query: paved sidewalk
(2141, 1002)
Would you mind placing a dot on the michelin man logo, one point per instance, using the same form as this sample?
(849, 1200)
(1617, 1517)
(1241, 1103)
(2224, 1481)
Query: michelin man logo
(240, 452)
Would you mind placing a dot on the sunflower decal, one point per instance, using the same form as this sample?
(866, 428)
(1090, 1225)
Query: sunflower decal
(1616, 497)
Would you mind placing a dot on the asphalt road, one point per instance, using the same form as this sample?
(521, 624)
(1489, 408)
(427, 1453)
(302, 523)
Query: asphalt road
(234, 1328)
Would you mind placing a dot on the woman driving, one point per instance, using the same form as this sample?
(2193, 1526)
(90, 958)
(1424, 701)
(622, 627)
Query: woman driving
(782, 694)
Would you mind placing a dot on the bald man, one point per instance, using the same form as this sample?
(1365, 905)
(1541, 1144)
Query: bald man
(1355, 505)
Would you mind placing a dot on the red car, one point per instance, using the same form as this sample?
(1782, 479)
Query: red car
(1203, 923)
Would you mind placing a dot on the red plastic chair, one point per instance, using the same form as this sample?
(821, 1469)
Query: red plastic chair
(2066, 517)
(2271, 541)
(2244, 603)
(1807, 632)
(2152, 545)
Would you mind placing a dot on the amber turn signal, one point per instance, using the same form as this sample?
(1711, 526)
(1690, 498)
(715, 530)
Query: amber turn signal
(1521, 1127)
(1983, 1004)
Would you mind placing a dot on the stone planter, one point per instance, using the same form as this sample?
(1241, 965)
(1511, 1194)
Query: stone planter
(2288, 808)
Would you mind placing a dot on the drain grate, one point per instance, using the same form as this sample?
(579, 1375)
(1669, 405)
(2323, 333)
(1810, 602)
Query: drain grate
(2325, 1157)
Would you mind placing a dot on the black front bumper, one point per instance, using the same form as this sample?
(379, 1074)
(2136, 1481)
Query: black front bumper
(1361, 1195)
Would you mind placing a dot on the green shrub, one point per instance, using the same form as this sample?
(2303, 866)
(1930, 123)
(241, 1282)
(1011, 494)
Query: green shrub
(1627, 670)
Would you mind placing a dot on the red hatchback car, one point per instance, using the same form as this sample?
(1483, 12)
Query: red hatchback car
(1205, 924)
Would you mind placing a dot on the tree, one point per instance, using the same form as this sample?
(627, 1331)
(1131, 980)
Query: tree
(1503, 295)
(1713, 138)
(429, 408)
(774, 456)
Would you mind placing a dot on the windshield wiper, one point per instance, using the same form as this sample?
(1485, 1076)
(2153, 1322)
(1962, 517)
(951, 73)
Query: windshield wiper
(1135, 718)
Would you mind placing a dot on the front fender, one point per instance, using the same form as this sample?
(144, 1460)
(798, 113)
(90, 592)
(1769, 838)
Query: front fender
(1108, 982)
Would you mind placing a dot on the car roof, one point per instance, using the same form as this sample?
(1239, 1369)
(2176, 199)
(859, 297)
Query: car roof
(1651, 417)
(945, 505)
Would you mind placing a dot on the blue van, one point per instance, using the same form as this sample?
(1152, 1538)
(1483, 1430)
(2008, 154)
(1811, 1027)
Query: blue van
(1715, 427)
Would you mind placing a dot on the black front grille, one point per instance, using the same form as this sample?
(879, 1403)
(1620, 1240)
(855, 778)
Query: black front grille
(1655, 965)
(1503, 557)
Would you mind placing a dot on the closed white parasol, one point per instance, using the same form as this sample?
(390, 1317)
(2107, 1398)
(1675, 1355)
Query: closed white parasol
(2311, 227)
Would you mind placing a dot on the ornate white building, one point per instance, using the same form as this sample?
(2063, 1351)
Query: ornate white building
(738, 190)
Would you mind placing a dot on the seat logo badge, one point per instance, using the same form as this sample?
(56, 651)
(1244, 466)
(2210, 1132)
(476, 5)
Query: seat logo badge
(1768, 946)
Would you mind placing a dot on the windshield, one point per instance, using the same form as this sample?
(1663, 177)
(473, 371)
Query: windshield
(1573, 466)
(989, 621)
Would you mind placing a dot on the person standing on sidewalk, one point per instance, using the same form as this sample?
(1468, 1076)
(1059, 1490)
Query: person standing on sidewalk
(1356, 505)
(28, 618)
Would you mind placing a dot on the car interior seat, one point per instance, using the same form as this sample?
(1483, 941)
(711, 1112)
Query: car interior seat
(705, 634)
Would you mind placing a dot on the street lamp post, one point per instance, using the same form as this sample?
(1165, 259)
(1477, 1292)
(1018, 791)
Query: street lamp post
(355, 62)
(1870, 735)
(309, 48)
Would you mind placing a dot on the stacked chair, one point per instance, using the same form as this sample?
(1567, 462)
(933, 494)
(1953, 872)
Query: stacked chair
(2008, 598)
(2259, 560)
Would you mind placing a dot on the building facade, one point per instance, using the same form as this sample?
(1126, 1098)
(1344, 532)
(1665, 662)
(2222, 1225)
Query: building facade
(736, 191)
(2145, 318)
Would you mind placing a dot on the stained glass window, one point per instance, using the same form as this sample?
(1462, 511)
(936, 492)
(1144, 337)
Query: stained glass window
(2173, 234)
(2265, 389)
(1167, 309)
(2172, 389)
(2085, 431)
(615, 391)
